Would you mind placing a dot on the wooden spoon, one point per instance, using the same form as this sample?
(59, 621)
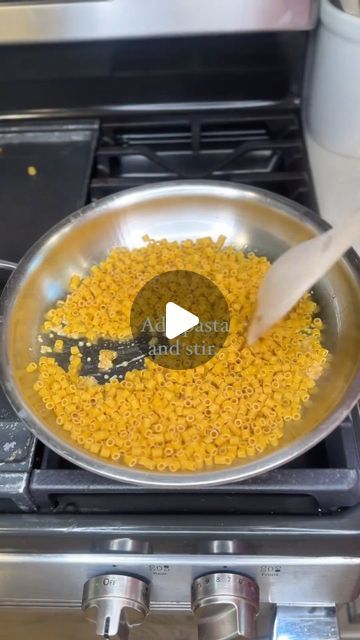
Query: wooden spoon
(296, 271)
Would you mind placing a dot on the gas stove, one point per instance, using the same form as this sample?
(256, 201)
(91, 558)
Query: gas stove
(293, 530)
(262, 147)
(202, 561)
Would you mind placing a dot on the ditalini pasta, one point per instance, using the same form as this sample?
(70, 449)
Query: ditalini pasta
(234, 407)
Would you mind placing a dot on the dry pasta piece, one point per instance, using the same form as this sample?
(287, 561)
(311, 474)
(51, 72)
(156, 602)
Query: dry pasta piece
(106, 358)
(58, 346)
(32, 366)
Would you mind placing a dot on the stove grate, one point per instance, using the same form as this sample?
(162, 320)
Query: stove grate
(324, 479)
(262, 148)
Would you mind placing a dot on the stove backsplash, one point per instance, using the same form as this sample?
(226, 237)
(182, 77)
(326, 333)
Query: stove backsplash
(100, 77)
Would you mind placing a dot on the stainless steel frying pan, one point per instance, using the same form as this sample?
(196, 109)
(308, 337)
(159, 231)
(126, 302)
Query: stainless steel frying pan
(249, 218)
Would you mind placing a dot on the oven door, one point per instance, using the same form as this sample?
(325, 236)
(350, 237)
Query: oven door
(24, 623)
(64, 624)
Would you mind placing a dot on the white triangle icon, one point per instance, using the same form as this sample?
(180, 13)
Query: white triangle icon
(178, 320)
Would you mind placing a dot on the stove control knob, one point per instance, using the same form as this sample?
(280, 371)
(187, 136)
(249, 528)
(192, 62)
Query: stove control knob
(116, 604)
(225, 605)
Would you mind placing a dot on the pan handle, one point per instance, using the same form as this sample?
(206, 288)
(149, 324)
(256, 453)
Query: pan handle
(6, 264)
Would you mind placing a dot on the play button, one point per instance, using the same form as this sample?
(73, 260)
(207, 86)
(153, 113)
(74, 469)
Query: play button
(180, 319)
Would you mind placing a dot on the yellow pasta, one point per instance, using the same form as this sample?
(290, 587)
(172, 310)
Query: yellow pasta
(236, 406)
(32, 366)
(58, 346)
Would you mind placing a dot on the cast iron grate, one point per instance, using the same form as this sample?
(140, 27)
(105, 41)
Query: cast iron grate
(324, 479)
(262, 148)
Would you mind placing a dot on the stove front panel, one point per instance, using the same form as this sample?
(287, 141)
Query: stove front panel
(281, 579)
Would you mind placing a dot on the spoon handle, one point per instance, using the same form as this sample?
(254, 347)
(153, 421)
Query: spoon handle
(297, 270)
(343, 236)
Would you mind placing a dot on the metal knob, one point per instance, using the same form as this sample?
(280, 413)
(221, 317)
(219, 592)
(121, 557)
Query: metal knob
(116, 603)
(225, 605)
